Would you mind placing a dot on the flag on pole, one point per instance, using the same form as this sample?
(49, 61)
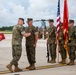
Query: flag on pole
(58, 26)
(65, 23)
(58, 17)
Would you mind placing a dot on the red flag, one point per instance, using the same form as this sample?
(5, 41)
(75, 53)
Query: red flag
(65, 21)
(2, 37)
(65, 18)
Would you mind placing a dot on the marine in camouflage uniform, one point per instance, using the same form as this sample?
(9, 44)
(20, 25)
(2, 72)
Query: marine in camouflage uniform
(71, 42)
(51, 41)
(75, 42)
(45, 33)
(31, 44)
(40, 33)
(17, 35)
(61, 46)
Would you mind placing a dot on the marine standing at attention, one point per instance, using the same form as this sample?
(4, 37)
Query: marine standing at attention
(31, 42)
(52, 40)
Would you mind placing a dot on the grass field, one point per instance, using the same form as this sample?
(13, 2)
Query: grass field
(6, 32)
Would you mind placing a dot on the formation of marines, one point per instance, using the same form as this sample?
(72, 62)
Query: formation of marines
(31, 35)
(61, 41)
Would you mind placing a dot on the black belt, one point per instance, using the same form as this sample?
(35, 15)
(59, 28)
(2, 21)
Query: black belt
(69, 41)
(59, 41)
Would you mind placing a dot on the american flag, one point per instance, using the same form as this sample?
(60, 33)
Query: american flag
(58, 17)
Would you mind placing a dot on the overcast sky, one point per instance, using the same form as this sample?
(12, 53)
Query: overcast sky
(11, 10)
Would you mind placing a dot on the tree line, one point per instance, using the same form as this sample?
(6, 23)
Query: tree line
(5, 28)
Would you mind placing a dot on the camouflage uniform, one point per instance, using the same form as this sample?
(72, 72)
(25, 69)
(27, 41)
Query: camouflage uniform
(30, 41)
(61, 45)
(17, 32)
(51, 41)
(71, 43)
(40, 33)
(75, 42)
(44, 33)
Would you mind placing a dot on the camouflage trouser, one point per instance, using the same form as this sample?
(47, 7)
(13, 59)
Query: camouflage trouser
(30, 54)
(52, 50)
(75, 52)
(16, 53)
(71, 51)
(62, 51)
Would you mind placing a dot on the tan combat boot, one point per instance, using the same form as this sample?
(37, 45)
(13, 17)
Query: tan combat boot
(71, 62)
(28, 67)
(50, 61)
(53, 61)
(17, 69)
(63, 61)
(9, 66)
(32, 67)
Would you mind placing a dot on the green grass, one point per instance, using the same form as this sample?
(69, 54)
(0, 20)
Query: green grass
(6, 32)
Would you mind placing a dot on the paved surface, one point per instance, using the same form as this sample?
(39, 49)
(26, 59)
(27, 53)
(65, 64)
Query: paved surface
(6, 56)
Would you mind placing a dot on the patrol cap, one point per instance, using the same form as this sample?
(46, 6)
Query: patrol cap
(29, 19)
(51, 20)
(71, 21)
(22, 20)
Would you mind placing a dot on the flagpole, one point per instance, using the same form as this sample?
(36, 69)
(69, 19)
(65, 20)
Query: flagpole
(58, 27)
